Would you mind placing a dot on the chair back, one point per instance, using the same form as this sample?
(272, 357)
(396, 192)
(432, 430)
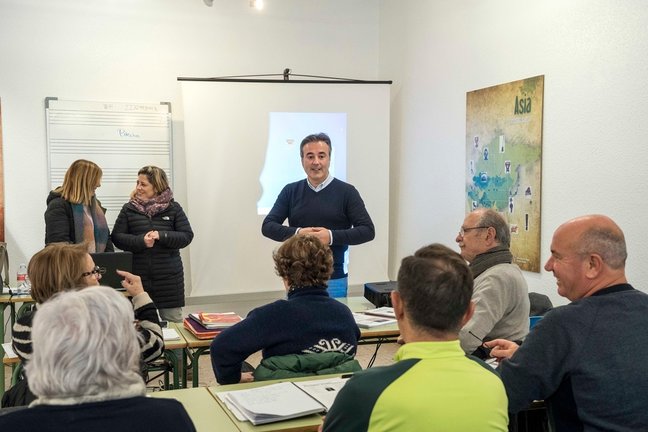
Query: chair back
(540, 304)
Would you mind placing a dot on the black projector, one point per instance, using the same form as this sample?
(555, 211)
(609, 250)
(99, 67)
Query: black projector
(378, 293)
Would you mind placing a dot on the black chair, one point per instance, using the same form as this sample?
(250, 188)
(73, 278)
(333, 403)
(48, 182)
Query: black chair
(540, 304)
(534, 418)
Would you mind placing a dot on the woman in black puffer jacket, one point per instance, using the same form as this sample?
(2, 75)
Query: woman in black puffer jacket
(154, 228)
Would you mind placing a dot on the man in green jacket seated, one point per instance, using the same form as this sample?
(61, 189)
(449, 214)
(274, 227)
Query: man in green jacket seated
(433, 385)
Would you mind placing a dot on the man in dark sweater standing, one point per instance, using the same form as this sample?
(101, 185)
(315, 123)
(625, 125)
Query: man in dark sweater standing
(322, 206)
(587, 359)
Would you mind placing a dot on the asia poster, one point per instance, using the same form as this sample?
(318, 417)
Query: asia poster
(504, 160)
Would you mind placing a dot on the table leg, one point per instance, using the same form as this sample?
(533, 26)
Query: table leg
(195, 365)
(3, 306)
(172, 357)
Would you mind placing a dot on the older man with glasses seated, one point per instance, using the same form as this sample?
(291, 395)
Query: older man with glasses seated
(501, 295)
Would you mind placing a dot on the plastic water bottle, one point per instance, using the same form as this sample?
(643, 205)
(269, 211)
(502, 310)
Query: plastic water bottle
(21, 276)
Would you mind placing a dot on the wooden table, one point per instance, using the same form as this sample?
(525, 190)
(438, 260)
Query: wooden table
(203, 408)
(191, 354)
(373, 336)
(171, 350)
(378, 335)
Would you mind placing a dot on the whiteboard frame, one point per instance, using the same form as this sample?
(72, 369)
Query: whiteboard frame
(120, 137)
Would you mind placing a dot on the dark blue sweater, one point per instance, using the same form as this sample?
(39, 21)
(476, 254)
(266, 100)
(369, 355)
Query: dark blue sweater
(130, 414)
(587, 360)
(337, 207)
(308, 322)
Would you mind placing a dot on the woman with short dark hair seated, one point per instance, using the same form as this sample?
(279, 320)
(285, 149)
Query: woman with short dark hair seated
(85, 370)
(318, 329)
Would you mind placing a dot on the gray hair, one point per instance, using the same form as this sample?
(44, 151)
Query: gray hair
(490, 218)
(606, 242)
(85, 347)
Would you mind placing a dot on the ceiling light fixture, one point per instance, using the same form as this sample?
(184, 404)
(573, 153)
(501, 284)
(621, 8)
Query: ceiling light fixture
(256, 4)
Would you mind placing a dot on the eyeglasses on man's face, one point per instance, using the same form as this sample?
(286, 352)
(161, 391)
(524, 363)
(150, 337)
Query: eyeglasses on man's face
(97, 272)
(463, 231)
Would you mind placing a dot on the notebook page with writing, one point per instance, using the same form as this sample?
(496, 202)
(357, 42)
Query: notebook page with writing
(273, 402)
(324, 391)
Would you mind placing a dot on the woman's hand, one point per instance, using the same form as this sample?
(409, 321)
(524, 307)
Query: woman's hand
(131, 282)
(246, 377)
(150, 237)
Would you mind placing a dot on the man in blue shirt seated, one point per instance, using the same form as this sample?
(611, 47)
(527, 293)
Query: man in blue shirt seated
(322, 206)
(587, 359)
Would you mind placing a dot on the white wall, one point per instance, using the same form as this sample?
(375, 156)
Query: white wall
(133, 50)
(592, 53)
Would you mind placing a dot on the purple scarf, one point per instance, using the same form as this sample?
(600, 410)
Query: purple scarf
(155, 205)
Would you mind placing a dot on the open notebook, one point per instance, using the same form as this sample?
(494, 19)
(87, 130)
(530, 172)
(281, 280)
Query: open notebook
(282, 401)
(368, 321)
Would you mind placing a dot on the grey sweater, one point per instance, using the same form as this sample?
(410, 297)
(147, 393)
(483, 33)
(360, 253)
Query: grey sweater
(501, 301)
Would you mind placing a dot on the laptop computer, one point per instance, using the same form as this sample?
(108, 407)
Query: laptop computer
(111, 261)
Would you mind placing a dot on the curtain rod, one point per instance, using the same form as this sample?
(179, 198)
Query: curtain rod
(285, 78)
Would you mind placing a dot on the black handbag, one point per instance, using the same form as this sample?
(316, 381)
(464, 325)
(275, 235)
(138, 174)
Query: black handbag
(18, 395)
(4, 265)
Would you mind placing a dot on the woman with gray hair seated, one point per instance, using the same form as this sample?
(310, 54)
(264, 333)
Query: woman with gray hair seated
(85, 370)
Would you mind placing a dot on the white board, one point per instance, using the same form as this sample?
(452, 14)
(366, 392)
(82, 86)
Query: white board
(120, 137)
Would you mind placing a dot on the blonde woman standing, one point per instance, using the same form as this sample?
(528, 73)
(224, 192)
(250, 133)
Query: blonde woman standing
(74, 214)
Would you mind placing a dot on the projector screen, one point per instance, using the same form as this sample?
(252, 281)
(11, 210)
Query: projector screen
(242, 146)
(279, 168)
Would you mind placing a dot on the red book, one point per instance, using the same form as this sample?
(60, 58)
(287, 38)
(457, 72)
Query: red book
(215, 320)
(198, 330)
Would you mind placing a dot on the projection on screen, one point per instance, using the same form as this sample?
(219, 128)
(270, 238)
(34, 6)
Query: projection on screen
(242, 147)
(283, 162)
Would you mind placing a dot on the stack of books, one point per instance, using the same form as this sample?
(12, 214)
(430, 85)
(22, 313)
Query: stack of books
(206, 325)
(216, 320)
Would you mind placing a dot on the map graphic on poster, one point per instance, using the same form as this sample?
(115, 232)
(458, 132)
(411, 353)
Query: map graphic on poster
(503, 160)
